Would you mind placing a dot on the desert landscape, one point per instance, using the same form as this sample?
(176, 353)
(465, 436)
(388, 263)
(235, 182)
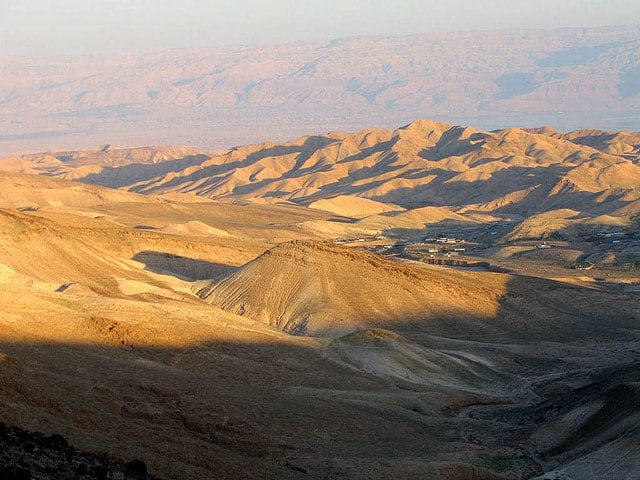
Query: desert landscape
(434, 301)
(337, 240)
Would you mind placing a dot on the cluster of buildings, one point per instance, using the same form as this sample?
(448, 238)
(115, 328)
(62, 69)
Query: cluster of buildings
(442, 246)
(447, 252)
(443, 239)
(619, 237)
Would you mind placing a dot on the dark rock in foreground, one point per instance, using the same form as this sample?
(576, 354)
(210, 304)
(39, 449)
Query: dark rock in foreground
(31, 455)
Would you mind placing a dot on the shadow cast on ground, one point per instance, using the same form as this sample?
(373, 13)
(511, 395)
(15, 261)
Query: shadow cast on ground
(184, 268)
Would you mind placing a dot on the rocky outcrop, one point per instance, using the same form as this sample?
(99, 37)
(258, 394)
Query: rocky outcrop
(31, 455)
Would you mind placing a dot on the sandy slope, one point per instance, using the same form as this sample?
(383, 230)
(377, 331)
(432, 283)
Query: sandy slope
(321, 289)
(102, 340)
(350, 206)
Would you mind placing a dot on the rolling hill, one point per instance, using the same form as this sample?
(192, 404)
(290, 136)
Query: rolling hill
(319, 289)
(424, 163)
(323, 290)
(424, 179)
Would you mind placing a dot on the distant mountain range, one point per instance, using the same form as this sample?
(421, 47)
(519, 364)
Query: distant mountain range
(214, 98)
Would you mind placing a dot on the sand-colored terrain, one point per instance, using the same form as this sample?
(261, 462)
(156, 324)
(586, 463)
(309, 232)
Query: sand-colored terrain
(317, 289)
(382, 172)
(351, 206)
(203, 319)
(425, 179)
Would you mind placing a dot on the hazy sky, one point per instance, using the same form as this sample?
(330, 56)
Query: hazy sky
(53, 27)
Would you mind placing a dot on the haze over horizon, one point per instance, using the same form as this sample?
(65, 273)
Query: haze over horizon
(71, 27)
(219, 98)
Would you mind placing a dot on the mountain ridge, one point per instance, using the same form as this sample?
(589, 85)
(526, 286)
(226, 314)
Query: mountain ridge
(424, 163)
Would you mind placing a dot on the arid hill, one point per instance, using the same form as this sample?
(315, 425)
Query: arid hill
(424, 179)
(318, 289)
(463, 171)
(424, 162)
